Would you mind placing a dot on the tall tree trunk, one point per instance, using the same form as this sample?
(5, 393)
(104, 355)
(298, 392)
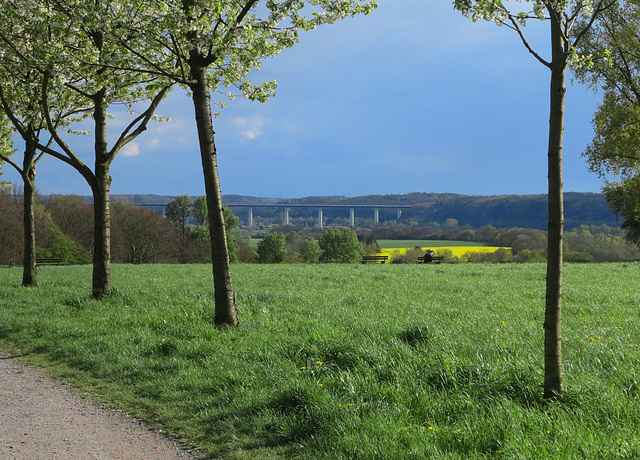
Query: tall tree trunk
(225, 304)
(30, 271)
(101, 189)
(553, 386)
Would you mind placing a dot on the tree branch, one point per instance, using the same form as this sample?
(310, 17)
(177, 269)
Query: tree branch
(70, 157)
(602, 6)
(516, 27)
(142, 122)
(8, 160)
(245, 10)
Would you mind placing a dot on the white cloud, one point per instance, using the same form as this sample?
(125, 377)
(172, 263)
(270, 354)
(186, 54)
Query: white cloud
(250, 128)
(132, 149)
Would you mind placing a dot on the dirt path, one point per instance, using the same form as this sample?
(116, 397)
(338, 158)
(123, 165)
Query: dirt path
(42, 419)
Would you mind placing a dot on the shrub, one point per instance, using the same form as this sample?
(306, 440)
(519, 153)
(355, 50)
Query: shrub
(246, 254)
(576, 256)
(409, 257)
(63, 248)
(527, 255)
(448, 257)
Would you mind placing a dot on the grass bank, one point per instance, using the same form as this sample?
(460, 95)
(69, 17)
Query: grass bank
(347, 361)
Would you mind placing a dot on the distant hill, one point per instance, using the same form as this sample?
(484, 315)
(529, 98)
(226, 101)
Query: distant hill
(502, 211)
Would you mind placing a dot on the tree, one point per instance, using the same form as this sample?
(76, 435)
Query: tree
(615, 148)
(311, 251)
(614, 60)
(201, 215)
(80, 75)
(200, 211)
(340, 246)
(178, 211)
(141, 235)
(272, 249)
(20, 84)
(231, 222)
(202, 44)
(624, 199)
(565, 36)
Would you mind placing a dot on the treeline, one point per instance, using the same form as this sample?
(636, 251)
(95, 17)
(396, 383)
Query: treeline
(587, 243)
(64, 228)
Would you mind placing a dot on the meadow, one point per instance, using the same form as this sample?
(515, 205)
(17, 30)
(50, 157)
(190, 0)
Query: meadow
(346, 361)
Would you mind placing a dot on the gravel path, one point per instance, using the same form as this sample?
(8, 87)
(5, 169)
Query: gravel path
(42, 419)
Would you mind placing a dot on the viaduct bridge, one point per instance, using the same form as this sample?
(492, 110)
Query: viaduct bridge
(351, 207)
(287, 208)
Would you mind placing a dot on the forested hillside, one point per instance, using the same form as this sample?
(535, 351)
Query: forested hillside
(474, 211)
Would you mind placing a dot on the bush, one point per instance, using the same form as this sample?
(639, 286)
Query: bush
(63, 248)
(498, 256)
(448, 257)
(575, 256)
(527, 255)
(409, 257)
(246, 254)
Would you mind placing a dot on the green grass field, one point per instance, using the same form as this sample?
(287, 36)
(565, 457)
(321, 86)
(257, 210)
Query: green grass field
(347, 361)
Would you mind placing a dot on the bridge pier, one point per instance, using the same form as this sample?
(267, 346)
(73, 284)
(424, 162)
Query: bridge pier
(320, 207)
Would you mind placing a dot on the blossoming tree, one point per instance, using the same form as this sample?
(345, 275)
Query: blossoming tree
(207, 44)
(19, 88)
(77, 77)
(569, 21)
(6, 143)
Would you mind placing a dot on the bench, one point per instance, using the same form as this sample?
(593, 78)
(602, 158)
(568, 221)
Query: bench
(430, 259)
(48, 261)
(374, 259)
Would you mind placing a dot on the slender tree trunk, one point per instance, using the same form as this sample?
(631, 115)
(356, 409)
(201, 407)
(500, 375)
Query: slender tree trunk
(553, 386)
(225, 304)
(30, 271)
(101, 189)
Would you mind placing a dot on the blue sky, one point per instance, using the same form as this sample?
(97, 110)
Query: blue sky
(413, 98)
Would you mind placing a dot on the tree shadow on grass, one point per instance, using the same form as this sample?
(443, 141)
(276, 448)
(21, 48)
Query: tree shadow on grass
(22, 355)
(497, 375)
(291, 416)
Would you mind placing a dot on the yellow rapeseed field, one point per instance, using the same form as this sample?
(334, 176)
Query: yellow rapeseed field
(457, 251)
